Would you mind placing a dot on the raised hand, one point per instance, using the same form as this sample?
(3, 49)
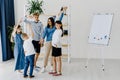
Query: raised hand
(20, 21)
(30, 16)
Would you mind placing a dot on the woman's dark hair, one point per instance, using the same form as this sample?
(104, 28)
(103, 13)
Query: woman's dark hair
(52, 20)
(59, 22)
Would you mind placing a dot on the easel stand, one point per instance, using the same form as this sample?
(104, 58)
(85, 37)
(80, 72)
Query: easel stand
(101, 47)
(100, 33)
(69, 33)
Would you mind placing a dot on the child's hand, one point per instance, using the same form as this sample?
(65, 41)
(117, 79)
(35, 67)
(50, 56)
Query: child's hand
(41, 41)
(30, 16)
(20, 21)
(15, 28)
(55, 45)
(65, 8)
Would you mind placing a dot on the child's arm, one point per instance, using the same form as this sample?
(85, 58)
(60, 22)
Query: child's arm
(24, 47)
(31, 32)
(13, 33)
(25, 19)
(41, 32)
(58, 38)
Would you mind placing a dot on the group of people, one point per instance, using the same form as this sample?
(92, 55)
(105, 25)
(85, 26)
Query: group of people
(27, 46)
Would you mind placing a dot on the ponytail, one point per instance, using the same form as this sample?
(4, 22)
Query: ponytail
(59, 22)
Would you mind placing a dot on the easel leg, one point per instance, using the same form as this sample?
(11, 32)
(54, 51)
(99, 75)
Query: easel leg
(102, 58)
(87, 63)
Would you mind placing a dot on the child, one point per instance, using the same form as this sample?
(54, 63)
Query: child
(56, 49)
(18, 48)
(29, 55)
(37, 28)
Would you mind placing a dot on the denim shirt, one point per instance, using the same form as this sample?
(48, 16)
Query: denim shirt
(48, 32)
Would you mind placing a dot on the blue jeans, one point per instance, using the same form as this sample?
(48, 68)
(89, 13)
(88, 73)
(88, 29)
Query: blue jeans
(29, 61)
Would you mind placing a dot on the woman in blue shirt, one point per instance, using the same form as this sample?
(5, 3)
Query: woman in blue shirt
(47, 33)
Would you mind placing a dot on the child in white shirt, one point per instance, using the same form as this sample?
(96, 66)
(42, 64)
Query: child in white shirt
(57, 49)
(29, 55)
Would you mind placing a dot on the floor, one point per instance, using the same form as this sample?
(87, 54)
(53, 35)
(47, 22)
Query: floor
(74, 71)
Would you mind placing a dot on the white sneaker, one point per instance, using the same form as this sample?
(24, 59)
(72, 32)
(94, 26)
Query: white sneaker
(19, 72)
(43, 70)
(36, 69)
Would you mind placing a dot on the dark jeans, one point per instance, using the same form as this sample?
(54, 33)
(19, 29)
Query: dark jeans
(29, 61)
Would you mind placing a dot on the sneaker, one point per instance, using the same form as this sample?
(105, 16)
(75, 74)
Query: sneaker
(36, 69)
(43, 70)
(52, 72)
(57, 74)
(20, 71)
(25, 76)
(31, 76)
